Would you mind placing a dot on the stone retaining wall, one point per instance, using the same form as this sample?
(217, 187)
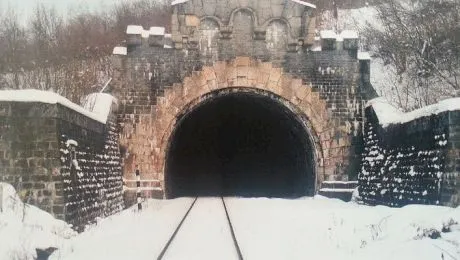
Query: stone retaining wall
(60, 160)
(411, 162)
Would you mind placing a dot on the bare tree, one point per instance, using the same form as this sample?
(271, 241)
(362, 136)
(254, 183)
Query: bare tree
(69, 56)
(13, 49)
(420, 40)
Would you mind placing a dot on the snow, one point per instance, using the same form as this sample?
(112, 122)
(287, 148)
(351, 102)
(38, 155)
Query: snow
(134, 29)
(206, 225)
(23, 227)
(364, 55)
(71, 142)
(331, 229)
(176, 2)
(304, 3)
(120, 50)
(388, 114)
(128, 233)
(336, 190)
(139, 30)
(100, 104)
(349, 34)
(34, 95)
(318, 228)
(327, 34)
(340, 182)
(157, 31)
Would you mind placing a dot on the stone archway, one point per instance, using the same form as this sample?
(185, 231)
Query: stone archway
(239, 74)
(241, 142)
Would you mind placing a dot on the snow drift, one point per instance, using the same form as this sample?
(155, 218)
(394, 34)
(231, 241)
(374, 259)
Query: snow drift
(24, 228)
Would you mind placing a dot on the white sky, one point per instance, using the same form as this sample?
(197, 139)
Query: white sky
(24, 7)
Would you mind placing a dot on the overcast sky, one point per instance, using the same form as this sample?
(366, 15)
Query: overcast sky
(24, 7)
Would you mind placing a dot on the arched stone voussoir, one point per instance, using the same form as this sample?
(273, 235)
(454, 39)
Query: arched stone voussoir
(241, 74)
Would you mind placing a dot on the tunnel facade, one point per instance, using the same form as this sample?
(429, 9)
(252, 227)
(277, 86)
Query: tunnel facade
(258, 46)
(240, 144)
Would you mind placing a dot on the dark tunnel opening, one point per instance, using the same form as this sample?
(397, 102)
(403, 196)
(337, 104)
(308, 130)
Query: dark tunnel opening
(240, 144)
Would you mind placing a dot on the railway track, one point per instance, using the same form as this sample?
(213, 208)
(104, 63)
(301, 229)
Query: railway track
(186, 223)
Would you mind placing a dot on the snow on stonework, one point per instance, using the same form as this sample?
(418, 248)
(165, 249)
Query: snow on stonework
(24, 228)
(327, 34)
(33, 95)
(134, 29)
(364, 55)
(157, 30)
(119, 50)
(100, 104)
(388, 114)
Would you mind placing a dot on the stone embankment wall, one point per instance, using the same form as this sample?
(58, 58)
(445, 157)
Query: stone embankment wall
(61, 160)
(411, 161)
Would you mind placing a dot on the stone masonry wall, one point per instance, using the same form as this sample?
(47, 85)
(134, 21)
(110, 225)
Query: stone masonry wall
(90, 171)
(413, 162)
(29, 154)
(61, 161)
(450, 194)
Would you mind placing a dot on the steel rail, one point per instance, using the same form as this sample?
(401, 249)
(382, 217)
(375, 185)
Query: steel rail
(175, 231)
(235, 241)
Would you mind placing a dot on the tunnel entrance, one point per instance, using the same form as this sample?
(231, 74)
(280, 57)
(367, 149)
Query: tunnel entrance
(240, 144)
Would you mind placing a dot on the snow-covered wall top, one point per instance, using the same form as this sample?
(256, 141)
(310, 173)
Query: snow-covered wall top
(411, 157)
(100, 104)
(387, 114)
(120, 50)
(139, 30)
(103, 104)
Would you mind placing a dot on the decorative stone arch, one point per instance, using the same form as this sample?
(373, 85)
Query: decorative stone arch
(207, 34)
(278, 36)
(241, 74)
(243, 9)
(213, 18)
(278, 19)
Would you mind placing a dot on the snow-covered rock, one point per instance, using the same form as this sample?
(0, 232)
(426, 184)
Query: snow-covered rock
(24, 228)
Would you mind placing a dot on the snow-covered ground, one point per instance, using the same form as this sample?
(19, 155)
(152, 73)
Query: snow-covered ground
(129, 234)
(205, 234)
(274, 229)
(317, 228)
(323, 228)
(23, 228)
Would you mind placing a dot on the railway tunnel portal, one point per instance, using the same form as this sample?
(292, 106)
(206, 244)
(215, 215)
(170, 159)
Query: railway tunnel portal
(240, 144)
(240, 100)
